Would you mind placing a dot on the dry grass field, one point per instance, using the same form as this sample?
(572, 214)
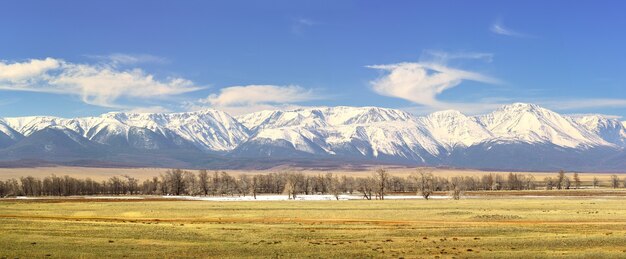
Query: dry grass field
(579, 227)
(145, 173)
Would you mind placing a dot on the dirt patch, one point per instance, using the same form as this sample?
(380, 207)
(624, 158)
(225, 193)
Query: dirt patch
(496, 217)
(452, 213)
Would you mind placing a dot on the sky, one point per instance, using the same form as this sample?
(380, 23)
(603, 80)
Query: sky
(85, 58)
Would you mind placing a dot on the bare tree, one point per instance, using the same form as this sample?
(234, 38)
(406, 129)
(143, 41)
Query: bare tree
(164, 185)
(203, 181)
(487, 181)
(116, 185)
(382, 178)
(244, 184)
(31, 186)
(191, 183)
(567, 183)
(456, 187)
(549, 183)
(176, 181)
(254, 185)
(576, 181)
(560, 180)
(530, 182)
(595, 182)
(614, 181)
(292, 186)
(334, 186)
(132, 184)
(366, 186)
(425, 183)
(150, 186)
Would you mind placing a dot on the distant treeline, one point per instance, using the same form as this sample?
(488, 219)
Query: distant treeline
(375, 186)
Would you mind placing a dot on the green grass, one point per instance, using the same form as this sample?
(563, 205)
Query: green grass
(513, 228)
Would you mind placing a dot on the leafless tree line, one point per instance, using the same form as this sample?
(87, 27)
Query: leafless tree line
(376, 186)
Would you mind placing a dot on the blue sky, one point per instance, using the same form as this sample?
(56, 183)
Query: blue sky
(79, 58)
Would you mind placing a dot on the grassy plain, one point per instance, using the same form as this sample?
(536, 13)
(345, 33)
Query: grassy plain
(584, 227)
(147, 173)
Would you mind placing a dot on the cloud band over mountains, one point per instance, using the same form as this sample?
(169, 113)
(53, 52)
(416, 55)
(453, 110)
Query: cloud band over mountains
(96, 84)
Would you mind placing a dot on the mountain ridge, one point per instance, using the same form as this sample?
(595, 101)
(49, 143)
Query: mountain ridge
(343, 134)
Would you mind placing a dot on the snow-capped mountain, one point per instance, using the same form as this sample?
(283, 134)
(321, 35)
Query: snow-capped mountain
(530, 123)
(368, 132)
(611, 130)
(208, 130)
(516, 136)
(453, 129)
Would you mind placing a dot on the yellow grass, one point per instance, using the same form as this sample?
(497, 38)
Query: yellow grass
(145, 173)
(495, 227)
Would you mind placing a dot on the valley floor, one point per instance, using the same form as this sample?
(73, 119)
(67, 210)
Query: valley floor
(589, 227)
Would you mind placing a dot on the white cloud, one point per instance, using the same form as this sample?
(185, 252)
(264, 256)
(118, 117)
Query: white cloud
(16, 72)
(421, 83)
(101, 84)
(244, 99)
(499, 28)
(129, 59)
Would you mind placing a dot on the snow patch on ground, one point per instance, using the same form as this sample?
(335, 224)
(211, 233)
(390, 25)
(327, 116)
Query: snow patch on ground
(298, 198)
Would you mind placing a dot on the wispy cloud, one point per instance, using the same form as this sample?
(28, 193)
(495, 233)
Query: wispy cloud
(443, 57)
(422, 82)
(299, 25)
(250, 98)
(129, 59)
(101, 84)
(499, 28)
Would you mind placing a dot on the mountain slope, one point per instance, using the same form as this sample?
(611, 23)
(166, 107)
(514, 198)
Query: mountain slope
(208, 130)
(52, 143)
(339, 131)
(530, 123)
(517, 136)
(611, 130)
(454, 129)
(8, 136)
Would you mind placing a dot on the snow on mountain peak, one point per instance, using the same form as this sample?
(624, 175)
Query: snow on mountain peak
(520, 107)
(609, 129)
(372, 131)
(531, 123)
(453, 128)
(30, 124)
(315, 117)
(369, 132)
(210, 130)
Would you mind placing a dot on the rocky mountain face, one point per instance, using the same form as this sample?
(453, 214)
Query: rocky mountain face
(517, 137)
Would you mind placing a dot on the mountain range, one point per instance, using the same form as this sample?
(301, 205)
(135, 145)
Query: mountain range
(518, 136)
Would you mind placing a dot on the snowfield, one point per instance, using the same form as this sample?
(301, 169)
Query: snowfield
(342, 197)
